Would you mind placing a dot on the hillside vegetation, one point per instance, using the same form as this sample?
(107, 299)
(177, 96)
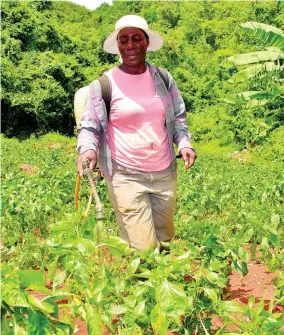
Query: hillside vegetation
(51, 49)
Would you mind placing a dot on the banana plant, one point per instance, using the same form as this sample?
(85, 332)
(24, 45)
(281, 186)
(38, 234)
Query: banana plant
(260, 67)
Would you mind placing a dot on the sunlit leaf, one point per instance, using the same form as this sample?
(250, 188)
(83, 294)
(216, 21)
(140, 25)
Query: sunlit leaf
(41, 305)
(59, 279)
(117, 310)
(267, 33)
(28, 277)
(93, 319)
(211, 294)
(132, 267)
(270, 54)
(171, 298)
(159, 320)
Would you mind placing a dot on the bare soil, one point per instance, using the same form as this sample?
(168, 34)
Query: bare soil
(257, 283)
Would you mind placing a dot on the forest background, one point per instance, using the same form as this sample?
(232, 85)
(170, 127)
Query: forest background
(50, 49)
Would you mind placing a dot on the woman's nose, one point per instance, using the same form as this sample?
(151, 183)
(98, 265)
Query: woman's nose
(130, 44)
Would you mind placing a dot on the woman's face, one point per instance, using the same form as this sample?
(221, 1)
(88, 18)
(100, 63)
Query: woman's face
(132, 44)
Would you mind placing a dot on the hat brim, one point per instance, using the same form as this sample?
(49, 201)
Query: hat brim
(155, 41)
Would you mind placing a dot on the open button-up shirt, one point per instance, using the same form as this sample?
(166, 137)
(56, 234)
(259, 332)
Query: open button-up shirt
(94, 123)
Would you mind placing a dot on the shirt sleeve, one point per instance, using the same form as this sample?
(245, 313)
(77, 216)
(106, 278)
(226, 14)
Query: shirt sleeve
(181, 134)
(90, 126)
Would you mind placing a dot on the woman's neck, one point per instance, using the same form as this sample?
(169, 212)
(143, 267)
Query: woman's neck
(133, 69)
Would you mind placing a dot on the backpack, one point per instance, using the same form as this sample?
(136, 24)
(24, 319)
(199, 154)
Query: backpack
(81, 94)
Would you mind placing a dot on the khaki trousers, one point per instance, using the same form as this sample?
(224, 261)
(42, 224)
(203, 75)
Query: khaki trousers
(144, 204)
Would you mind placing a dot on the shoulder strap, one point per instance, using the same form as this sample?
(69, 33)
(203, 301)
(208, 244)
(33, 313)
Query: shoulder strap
(164, 75)
(105, 87)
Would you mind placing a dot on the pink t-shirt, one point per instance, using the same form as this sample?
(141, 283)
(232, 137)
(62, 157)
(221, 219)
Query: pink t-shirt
(136, 133)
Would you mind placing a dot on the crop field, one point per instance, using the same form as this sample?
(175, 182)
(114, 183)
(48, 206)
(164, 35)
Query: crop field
(60, 274)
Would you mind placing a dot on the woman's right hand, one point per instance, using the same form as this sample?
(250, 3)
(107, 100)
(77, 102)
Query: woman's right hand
(88, 155)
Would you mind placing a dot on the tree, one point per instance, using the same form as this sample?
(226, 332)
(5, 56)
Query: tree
(266, 73)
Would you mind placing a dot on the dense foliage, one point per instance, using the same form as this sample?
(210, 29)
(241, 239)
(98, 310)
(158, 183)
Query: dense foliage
(50, 249)
(50, 49)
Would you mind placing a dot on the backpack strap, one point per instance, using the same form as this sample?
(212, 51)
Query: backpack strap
(106, 95)
(164, 76)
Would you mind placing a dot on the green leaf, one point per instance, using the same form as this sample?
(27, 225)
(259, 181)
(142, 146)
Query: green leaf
(266, 33)
(273, 326)
(275, 220)
(211, 294)
(249, 98)
(179, 264)
(243, 254)
(4, 269)
(240, 266)
(140, 308)
(264, 244)
(171, 298)
(230, 307)
(132, 267)
(59, 279)
(18, 330)
(59, 227)
(57, 295)
(271, 54)
(42, 306)
(99, 289)
(253, 71)
(217, 278)
(117, 310)
(158, 320)
(39, 288)
(139, 290)
(13, 295)
(65, 327)
(130, 301)
(216, 265)
(85, 246)
(93, 319)
(117, 246)
(38, 323)
(247, 236)
(251, 302)
(11, 327)
(145, 274)
(28, 277)
(212, 277)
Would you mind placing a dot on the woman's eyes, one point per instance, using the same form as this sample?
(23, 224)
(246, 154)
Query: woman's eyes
(134, 39)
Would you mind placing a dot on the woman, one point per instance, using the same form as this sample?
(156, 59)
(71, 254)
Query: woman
(135, 144)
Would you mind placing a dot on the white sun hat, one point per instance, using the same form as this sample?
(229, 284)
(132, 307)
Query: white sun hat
(155, 39)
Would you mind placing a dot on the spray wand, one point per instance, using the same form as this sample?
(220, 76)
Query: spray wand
(93, 194)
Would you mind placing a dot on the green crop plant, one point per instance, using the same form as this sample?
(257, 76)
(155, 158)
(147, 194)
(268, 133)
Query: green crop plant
(219, 217)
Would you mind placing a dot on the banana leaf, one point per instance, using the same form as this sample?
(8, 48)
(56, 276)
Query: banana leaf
(268, 34)
(254, 71)
(250, 98)
(270, 54)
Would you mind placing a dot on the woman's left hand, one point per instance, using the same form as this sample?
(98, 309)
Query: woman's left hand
(189, 156)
